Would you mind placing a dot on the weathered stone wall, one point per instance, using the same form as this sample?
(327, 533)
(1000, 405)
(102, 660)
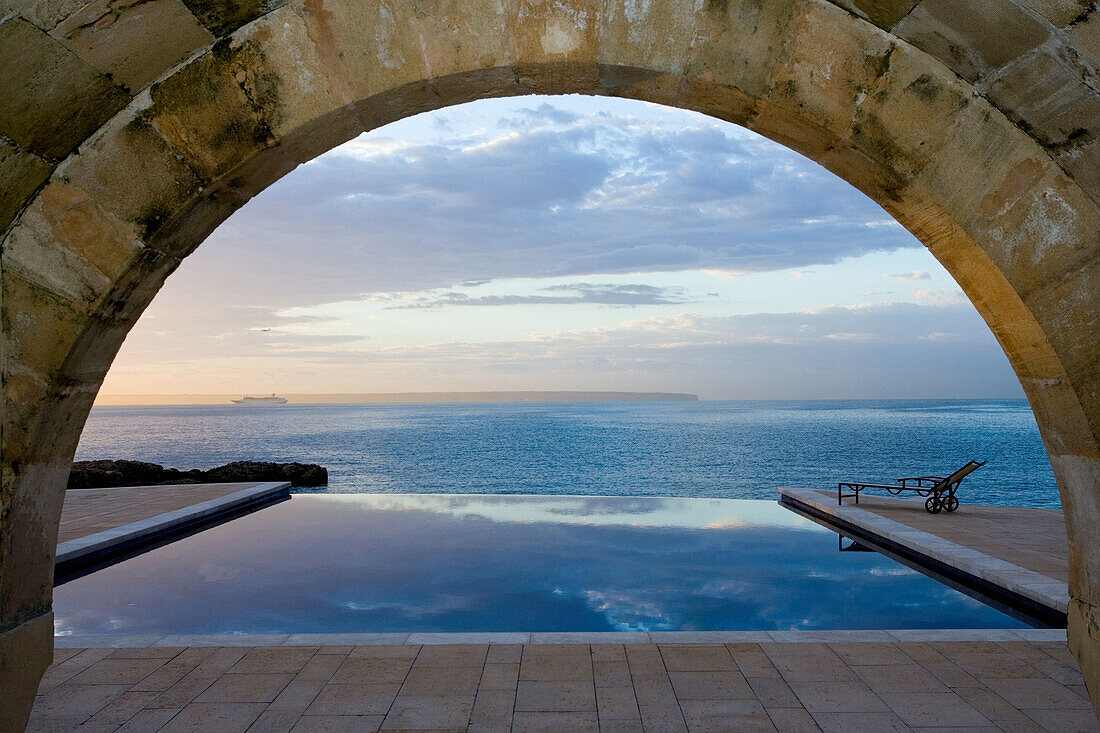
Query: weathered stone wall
(128, 131)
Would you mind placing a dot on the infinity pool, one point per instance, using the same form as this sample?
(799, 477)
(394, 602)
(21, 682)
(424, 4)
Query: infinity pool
(418, 562)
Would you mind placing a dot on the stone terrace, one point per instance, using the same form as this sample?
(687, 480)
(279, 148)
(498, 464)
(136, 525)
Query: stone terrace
(863, 686)
(87, 511)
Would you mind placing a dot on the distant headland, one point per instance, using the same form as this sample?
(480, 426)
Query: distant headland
(407, 397)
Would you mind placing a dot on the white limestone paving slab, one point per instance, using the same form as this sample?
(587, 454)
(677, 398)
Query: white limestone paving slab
(1029, 584)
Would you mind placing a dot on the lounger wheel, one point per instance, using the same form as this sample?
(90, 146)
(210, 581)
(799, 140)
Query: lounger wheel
(950, 503)
(933, 505)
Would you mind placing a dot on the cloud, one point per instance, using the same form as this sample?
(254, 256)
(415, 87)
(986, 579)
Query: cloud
(941, 297)
(563, 193)
(915, 275)
(577, 294)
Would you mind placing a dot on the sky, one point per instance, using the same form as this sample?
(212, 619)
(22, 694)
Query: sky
(563, 243)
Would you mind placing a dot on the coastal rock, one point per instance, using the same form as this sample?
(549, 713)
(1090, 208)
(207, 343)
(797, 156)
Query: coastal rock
(107, 474)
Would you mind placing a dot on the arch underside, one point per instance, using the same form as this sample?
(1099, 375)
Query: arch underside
(106, 208)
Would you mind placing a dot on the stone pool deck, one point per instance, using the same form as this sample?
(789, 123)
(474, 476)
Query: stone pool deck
(1015, 555)
(100, 524)
(811, 685)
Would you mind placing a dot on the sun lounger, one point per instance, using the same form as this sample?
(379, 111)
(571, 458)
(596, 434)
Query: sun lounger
(940, 490)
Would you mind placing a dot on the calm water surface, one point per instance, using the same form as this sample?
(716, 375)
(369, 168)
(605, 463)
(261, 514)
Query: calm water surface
(739, 450)
(377, 563)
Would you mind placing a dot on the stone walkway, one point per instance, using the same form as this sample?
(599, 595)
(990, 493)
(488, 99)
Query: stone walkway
(919, 686)
(87, 511)
(1031, 538)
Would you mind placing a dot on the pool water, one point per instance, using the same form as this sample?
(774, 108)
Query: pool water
(449, 563)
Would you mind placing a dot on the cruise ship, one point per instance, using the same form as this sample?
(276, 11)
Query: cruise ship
(256, 401)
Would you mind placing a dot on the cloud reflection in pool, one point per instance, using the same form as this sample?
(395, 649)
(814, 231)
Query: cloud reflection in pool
(375, 563)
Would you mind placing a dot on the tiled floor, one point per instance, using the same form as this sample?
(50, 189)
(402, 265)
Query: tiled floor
(87, 511)
(1031, 538)
(864, 686)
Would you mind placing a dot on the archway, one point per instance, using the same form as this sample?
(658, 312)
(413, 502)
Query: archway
(109, 198)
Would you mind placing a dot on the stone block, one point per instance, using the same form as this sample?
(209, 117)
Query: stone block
(22, 174)
(43, 13)
(456, 37)
(216, 111)
(1059, 13)
(366, 46)
(39, 326)
(738, 42)
(50, 100)
(1039, 227)
(1049, 98)
(1084, 34)
(561, 32)
(659, 32)
(25, 653)
(133, 43)
(1082, 163)
(972, 38)
(831, 65)
(1069, 311)
(883, 13)
(909, 113)
(67, 244)
(223, 17)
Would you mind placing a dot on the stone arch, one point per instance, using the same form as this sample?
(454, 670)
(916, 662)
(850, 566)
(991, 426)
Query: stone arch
(124, 144)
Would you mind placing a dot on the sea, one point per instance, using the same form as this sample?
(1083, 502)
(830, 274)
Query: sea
(705, 449)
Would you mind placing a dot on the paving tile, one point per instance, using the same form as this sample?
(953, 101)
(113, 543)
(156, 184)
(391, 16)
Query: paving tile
(992, 706)
(353, 700)
(148, 720)
(852, 722)
(611, 674)
(458, 655)
(338, 724)
(558, 696)
(274, 721)
(773, 692)
(175, 669)
(819, 696)
(122, 708)
(75, 701)
(493, 707)
(371, 670)
(870, 654)
(654, 690)
(441, 680)
(428, 713)
(385, 651)
(273, 660)
(748, 716)
(499, 677)
(608, 652)
(535, 722)
(899, 678)
(245, 688)
(117, 671)
(296, 696)
(1036, 693)
(616, 703)
(504, 654)
(222, 717)
(754, 663)
(1065, 721)
(321, 667)
(621, 726)
(933, 709)
(148, 652)
(696, 658)
(710, 686)
(792, 720)
(558, 667)
(662, 718)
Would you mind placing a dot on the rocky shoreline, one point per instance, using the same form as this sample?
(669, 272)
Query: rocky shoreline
(108, 474)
